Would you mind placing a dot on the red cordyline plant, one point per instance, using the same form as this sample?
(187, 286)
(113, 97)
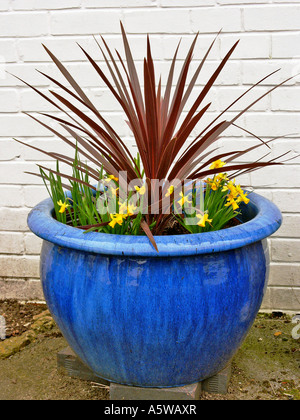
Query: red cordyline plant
(153, 117)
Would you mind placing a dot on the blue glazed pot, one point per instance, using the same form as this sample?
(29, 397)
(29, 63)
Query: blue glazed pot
(149, 319)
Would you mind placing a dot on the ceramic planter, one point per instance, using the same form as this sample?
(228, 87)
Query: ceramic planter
(149, 319)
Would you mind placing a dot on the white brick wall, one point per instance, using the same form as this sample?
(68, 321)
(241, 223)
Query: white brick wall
(269, 31)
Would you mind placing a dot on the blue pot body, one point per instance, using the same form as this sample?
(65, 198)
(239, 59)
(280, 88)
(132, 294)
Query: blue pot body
(149, 319)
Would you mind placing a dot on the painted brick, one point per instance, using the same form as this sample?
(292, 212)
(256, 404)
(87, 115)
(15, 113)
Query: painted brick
(285, 45)
(228, 95)
(187, 3)
(287, 99)
(277, 149)
(272, 18)
(104, 100)
(213, 19)
(47, 144)
(286, 199)
(32, 102)
(42, 5)
(231, 144)
(64, 48)
(272, 124)
(281, 146)
(9, 101)
(85, 22)
(170, 43)
(85, 75)
(281, 177)
(67, 50)
(230, 76)
(34, 194)
(11, 196)
(157, 21)
(285, 274)
(230, 2)
(285, 250)
(29, 289)
(32, 244)
(21, 126)
(4, 5)
(19, 267)
(9, 150)
(8, 51)
(254, 71)
(290, 227)
(119, 3)
(13, 173)
(11, 243)
(26, 72)
(282, 299)
(250, 46)
(23, 24)
(14, 219)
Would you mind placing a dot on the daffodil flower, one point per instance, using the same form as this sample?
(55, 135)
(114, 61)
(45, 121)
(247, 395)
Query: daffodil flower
(170, 191)
(123, 207)
(203, 219)
(117, 219)
(214, 186)
(242, 195)
(130, 209)
(111, 177)
(243, 198)
(222, 177)
(140, 190)
(63, 206)
(217, 164)
(216, 181)
(127, 209)
(184, 199)
(114, 190)
(233, 203)
(233, 192)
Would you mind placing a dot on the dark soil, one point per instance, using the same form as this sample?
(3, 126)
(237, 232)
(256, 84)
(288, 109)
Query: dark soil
(19, 317)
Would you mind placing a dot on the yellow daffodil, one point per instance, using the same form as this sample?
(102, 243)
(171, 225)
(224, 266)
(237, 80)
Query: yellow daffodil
(233, 203)
(117, 219)
(114, 190)
(123, 207)
(214, 186)
(242, 195)
(233, 192)
(215, 183)
(130, 209)
(127, 209)
(217, 164)
(243, 198)
(140, 190)
(203, 219)
(63, 206)
(221, 177)
(184, 199)
(111, 177)
(170, 191)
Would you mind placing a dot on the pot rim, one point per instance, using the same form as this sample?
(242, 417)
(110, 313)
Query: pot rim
(267, 219)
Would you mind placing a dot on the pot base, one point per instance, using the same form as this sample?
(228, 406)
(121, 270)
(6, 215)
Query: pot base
(70, 364)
